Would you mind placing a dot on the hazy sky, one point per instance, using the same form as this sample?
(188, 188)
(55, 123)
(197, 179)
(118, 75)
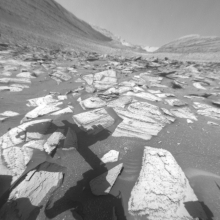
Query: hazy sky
(150, 22)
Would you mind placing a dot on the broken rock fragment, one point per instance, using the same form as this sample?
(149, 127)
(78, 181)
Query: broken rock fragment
(54, 140)
(162, 189)
(141, 120)
(198, 86)
(183, 112)
(102, 184)
(28, 195)
(93, 102)
(111, 156)
(144, 95)
(207, 110)
(105, 80)
(28, 131)
(40, 111)
(92, 120)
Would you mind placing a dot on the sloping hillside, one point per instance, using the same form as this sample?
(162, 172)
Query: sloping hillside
(45, 22)
(193, 44)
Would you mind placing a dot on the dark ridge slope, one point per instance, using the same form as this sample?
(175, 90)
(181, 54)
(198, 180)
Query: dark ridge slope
(192, 44)
(40, 20)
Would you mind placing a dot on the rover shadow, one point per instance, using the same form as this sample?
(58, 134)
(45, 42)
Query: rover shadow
(79, 197)
(199, 210)
(26, 209)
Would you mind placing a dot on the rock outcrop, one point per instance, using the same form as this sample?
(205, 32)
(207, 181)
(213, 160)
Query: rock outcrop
(162, 189)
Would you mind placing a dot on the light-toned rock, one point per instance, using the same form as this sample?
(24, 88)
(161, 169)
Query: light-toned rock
(93, 102)
(10, 88)
(175, 102)
(9, 114)
(105, 80)
(89, 79)
(207, 110)
(162, 189)
(48, 99)
(28, 195)
(60, 76)
(148, 78)
(99, 85)
(144, 95)
(25, 75)
(141, 120)
(94, 119)
(33, 130)
(106, 73)
(183, 112)
(102, 184)
(40, 111)
(63, 111)
(14, 80)
(54, 140)
(111, 156)
(120, 102)
(199, 86)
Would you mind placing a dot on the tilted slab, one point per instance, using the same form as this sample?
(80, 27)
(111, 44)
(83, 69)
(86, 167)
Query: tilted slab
(162, 189)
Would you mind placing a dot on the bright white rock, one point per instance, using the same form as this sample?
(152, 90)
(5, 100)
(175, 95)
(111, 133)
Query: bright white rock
(144, 95)
(111, 156)
(93, 119)
(54, 140)
(93, 102)
(162, 189)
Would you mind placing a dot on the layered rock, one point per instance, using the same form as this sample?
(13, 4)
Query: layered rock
(207, 110)
(93, 119)
(141, 120)
(162, 189)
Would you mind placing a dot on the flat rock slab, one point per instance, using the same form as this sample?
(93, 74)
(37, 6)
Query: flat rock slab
(93, 102)
(48, 99)
(144, 95)
(40, 111)
(102, 184)
(28, 195)
(93, 119)
(162, 189)
(183, 112)
(14, 80)
(141, 120)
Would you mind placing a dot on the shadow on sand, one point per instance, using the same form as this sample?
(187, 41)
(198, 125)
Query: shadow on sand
(23, 203)
(199, 209)
(79, 198)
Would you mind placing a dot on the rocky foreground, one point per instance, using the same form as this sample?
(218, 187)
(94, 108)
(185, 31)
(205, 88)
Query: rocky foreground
(90, 136)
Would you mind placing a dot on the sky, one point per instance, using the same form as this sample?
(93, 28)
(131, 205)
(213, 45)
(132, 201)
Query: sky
(149, 22)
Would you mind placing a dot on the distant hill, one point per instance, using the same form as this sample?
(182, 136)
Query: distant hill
(150, 49)
(45, 22)
(192, 44)
(118, 40)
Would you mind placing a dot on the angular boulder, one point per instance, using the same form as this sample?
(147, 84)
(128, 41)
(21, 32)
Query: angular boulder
(162, 190)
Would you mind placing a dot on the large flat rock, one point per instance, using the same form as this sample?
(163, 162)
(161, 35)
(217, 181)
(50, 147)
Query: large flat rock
(162, 189)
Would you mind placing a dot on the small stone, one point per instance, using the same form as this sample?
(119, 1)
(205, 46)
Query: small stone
(110, 157)
(90, 89)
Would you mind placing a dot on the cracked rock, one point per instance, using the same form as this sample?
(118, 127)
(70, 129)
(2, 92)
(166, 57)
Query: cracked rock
(162, 189)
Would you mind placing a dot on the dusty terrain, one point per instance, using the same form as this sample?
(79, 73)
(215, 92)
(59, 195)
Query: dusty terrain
(91, 130)
(84, 113)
